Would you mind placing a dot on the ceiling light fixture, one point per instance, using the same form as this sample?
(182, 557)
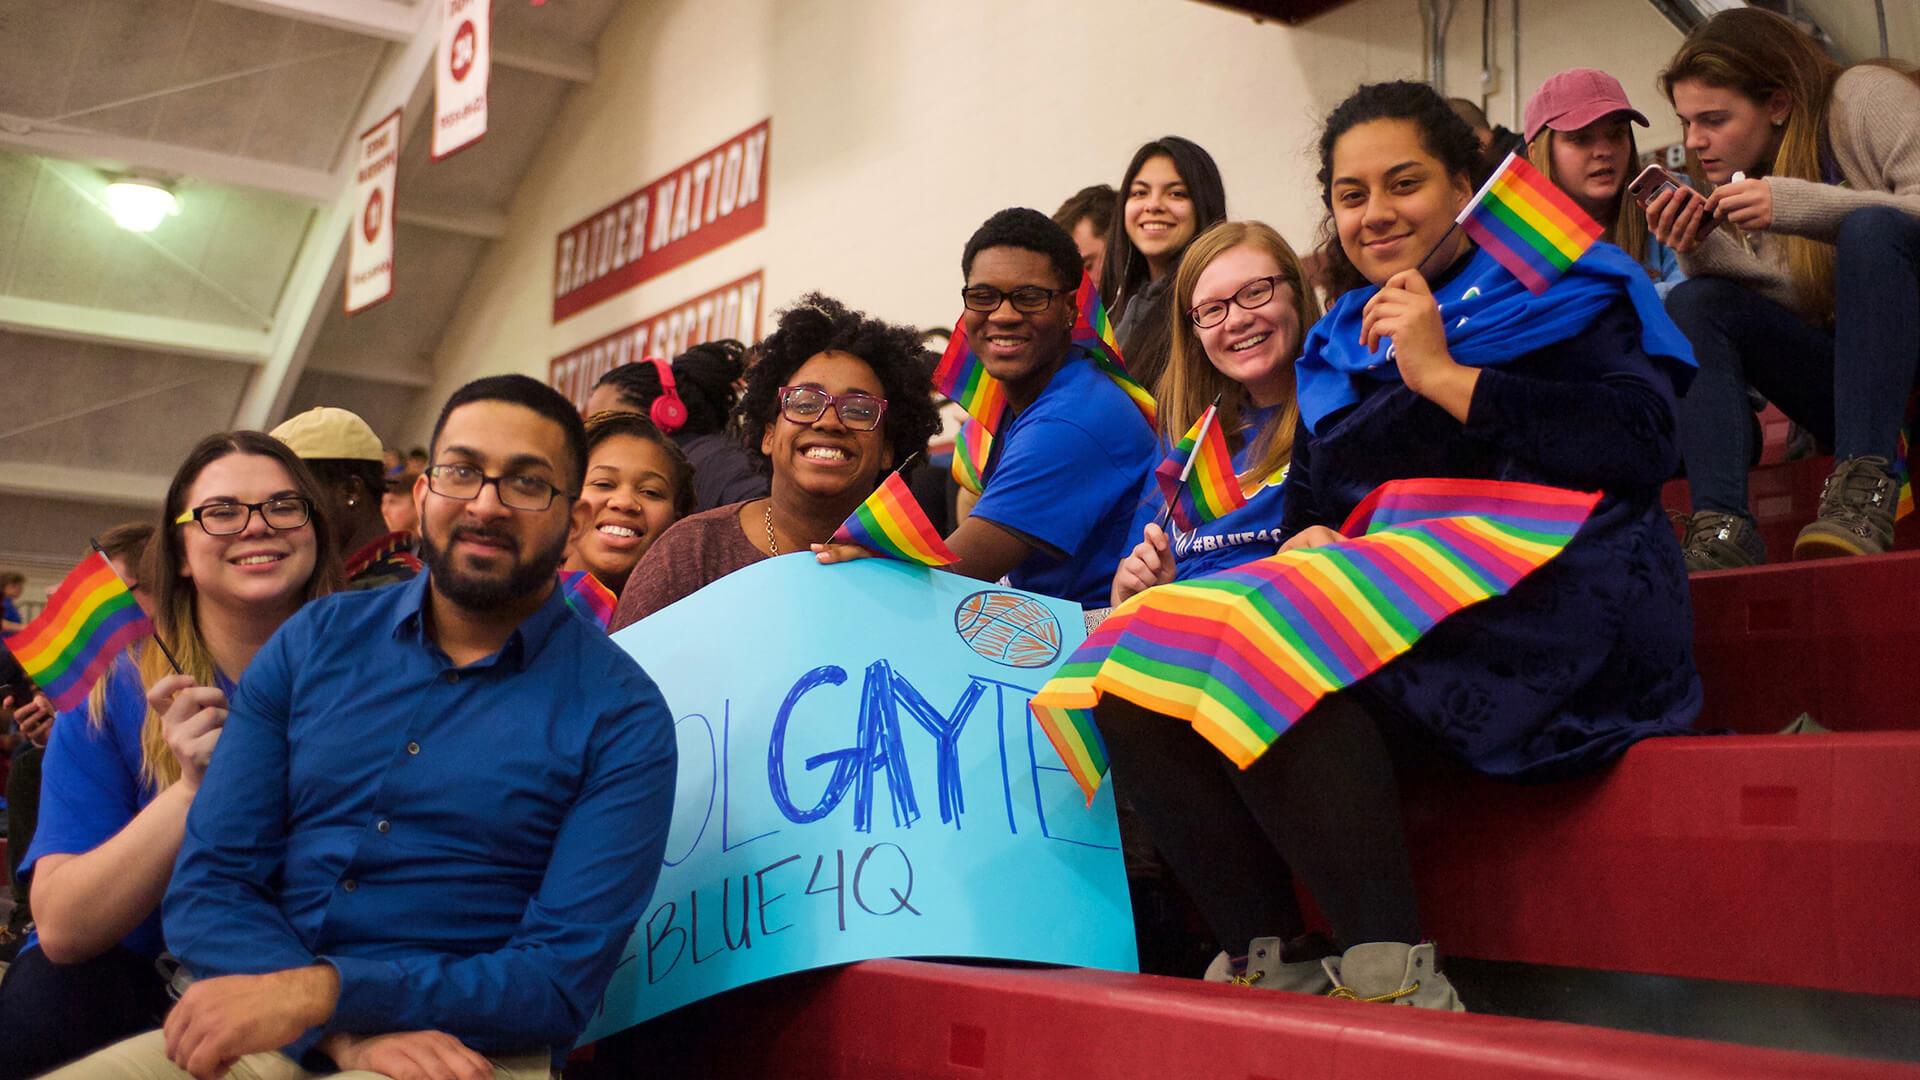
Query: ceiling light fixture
(138, 204)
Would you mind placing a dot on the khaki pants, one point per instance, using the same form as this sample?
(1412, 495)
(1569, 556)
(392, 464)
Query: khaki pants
(144, 1057)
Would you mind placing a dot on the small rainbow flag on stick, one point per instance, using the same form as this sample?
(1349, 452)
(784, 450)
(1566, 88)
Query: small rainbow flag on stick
(1244, 653)
(1198, 477)
(588, 597)
(892, 525)
(1529, 225)
(88, 621)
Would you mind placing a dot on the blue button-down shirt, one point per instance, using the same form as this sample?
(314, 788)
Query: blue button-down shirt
(468, 846)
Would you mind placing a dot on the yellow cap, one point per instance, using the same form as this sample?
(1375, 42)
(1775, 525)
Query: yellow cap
(329, 433)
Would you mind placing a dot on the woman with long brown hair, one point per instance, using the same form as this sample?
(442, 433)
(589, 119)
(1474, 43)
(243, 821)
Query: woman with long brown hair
(1241, 307)
(241, 545)
(1812, 292)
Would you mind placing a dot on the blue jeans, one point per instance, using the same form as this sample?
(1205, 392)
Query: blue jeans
(1848, 385)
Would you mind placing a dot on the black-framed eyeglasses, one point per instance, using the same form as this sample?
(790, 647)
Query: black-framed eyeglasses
(1257, 293)
(229, 518)
(1029, 299)
(805, 405)
(517, 491)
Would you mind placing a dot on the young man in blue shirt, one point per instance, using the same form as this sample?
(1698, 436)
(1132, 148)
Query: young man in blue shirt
(436, 810)
(1067, 464)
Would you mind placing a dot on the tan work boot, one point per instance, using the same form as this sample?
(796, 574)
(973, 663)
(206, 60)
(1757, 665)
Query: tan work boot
(1263, 967)
(1392, 972)
(1856, 511)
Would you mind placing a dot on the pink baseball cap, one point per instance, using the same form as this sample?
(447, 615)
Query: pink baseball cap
(1575, 98)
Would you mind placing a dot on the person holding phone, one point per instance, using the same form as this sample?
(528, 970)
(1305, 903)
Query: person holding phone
(242, 543)
(1580, 135)
(1812, 295)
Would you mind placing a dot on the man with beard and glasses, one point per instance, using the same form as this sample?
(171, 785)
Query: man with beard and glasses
(438, 808)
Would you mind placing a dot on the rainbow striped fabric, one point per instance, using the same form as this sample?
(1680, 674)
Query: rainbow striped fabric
(892, 525)
(586, 595)
(1244, 653)
(1198, 478)
(1528, 224)
(90, 618)
(962, 377)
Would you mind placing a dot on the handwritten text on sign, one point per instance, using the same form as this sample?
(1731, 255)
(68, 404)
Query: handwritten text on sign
(730, 311)
(716, 197)
(860, 777)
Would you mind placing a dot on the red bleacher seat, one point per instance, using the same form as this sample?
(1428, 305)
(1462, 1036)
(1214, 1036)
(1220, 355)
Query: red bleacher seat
(1836, 638)
(1784, 859)
(903, 1018)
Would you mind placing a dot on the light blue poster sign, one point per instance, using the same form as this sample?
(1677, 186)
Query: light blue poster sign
(860, 777)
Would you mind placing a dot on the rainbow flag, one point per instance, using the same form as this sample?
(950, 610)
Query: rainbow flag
(88, 621)
(588, 597)
(962, 377)
(1244, 653)
(1529, 225)
(892, 525)
(1198, 478)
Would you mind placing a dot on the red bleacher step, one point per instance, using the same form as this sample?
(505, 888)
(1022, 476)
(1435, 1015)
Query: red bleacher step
(1836, 638)
(903, 1018)
(1787, 859)
(1784, 497)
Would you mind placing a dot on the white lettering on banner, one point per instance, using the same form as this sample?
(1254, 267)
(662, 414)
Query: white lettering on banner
(370, 241)
(691, 210)
(462, 70)
(731, 311)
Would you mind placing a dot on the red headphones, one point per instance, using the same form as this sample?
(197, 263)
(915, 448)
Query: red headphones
(667, 412)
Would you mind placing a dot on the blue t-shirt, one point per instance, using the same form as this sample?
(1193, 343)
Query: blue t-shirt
(1249, 533)
(1066, 475)
(91, 785)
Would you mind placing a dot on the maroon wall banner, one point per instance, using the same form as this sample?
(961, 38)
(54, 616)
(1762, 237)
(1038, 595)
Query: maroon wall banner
(716, 197)
(730, 311)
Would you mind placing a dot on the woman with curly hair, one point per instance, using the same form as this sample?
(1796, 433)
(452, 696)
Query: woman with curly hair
(837, 401)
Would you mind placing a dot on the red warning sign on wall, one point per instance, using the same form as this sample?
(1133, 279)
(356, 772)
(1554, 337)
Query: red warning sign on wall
(730, 311)
(716, 197)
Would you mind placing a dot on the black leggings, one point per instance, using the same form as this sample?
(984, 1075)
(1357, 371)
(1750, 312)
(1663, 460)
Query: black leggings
(1322, 801)
(51, 1013)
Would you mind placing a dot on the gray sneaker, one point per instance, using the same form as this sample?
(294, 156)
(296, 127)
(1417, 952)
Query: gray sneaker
(1395, 973)
(1720, 541)
(1263, 967)
(1856, 511)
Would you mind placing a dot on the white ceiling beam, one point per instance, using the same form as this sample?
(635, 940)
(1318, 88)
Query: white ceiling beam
(118, 153)
(414, 380)
(481, 224)
(153, 333)
(372, 18)
(391, 22)
(405, 83)
(70, 484)
(544, 56)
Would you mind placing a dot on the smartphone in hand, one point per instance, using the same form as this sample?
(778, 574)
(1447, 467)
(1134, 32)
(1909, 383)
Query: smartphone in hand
(1655, 179)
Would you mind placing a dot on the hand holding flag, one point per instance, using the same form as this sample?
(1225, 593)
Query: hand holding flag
(891, 524)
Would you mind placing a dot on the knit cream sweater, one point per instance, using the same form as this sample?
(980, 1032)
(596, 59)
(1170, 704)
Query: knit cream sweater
(1874, 125)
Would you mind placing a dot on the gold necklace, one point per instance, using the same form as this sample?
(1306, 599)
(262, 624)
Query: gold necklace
(772, 548)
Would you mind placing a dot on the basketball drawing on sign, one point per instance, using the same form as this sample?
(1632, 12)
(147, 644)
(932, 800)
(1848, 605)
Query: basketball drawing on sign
(1008, 628)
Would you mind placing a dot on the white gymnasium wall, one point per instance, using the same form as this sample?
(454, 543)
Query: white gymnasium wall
(899, 125)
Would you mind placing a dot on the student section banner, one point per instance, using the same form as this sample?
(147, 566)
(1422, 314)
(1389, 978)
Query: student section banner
(860, 777)
(730, 311)
(668, 222)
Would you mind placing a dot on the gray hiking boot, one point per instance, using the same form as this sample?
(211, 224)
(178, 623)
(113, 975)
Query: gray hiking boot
(1392, 972)
(1720, 541)
(1264, 968)
(1856, 511)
